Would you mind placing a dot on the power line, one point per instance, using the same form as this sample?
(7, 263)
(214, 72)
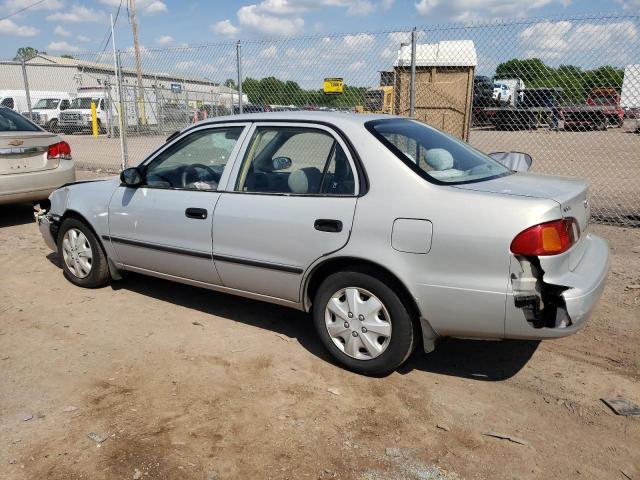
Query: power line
(23, 9)
(115, 21)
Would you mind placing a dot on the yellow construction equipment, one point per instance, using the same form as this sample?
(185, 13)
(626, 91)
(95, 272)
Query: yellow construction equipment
(377, 100)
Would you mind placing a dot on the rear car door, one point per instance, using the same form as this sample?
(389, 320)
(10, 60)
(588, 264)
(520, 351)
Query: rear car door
(290, 200)
(165, 225)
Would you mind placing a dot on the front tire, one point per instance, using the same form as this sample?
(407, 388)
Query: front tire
(83, 260)
(53, 125)
(363, 323)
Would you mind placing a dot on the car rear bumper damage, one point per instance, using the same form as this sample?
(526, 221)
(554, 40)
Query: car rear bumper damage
(547, 299)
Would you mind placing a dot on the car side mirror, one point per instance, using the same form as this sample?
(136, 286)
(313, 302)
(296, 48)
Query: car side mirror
(516, 161)
(131, 177)
(281, 163)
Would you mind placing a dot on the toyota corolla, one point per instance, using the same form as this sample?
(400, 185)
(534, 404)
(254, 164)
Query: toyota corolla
(389, 232)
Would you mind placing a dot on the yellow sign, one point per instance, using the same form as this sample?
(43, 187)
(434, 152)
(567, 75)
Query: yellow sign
(333, 86)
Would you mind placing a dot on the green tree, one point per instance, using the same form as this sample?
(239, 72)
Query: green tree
(68, 56)
(229, 82)
(25, 53)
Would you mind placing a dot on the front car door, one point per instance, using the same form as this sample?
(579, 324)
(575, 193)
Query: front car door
(289, 201)
(164, 225)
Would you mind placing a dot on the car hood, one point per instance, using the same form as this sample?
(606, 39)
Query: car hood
(570, 193)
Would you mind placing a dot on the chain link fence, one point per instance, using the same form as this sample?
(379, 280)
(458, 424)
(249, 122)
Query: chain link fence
(565, 90)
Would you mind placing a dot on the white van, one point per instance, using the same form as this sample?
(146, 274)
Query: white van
(78, 116)
(17, 99)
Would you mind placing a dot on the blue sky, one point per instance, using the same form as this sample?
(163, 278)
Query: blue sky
(75, 26)
(68, 26)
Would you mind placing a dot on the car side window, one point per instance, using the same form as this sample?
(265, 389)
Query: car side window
(64, 105)
(195, 162)
(295, 160)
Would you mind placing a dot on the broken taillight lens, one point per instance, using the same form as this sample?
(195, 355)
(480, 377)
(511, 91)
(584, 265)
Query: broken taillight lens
(60, 150)
(550, 238)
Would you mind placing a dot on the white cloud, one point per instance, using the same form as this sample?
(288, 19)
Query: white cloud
(356, 66)
(254, 18)
(556, 40)
(387, 4)
(150, 8)
(9, 27)
(358, 41)
(61, 31)
(224, 27)
(164, 40)
(77, 14)
(62, 47)
(269, 52)
(83, 38)
(14, 5)
(147, 7)
(630, 5)
(469, 10)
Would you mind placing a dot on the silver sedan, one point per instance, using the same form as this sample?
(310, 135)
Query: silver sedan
(33, 163)
(391, 233)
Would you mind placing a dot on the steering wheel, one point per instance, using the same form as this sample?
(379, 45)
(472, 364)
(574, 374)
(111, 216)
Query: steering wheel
(192, 171)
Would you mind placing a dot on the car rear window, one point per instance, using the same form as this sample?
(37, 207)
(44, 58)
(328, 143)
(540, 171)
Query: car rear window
(11, 121)
(434, 155)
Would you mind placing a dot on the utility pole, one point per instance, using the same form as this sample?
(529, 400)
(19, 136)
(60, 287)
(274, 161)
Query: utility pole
(136, 47)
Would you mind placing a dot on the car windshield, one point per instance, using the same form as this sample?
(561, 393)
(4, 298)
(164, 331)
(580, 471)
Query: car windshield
(47, 103)
(433, 154)
(11, 121)
(84, 102)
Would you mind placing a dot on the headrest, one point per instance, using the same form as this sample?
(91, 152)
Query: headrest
(305, 180)
(439, 159)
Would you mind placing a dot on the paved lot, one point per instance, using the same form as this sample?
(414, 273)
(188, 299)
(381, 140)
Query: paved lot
(609, 160)
(186, 383)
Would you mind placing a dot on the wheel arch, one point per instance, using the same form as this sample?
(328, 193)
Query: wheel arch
(70, 213)
(336, 264)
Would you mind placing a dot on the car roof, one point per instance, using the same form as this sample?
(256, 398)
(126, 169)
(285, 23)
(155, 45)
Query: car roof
(338, 119)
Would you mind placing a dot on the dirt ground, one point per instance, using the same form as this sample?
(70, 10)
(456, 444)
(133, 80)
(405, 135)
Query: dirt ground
(183, 383)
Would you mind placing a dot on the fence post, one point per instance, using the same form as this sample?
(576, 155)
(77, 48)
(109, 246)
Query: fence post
(26, 88)
(123, 117)
(412, 86)
(239, 61)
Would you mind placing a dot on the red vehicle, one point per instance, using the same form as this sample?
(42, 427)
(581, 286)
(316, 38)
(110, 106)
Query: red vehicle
(601, 109)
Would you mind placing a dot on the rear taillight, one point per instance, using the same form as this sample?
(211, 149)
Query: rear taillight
(550, 238)
(60, 151)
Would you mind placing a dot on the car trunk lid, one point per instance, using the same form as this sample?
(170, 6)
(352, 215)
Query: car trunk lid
(23, 152)
(569, 193)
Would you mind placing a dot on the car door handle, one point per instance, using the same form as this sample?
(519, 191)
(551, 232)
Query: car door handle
(197, 213)
(328, 225)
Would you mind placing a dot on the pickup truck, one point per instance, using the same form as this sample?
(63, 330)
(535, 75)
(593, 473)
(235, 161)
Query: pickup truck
(601, 109)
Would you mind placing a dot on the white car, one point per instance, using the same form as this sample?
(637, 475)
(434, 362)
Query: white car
(501, 92)
(33, 163)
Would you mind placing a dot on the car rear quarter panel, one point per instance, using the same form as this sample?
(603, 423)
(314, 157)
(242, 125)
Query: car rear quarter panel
(460, 285)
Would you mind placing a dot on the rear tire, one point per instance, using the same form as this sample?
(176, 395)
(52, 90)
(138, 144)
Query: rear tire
(363, 323)
(83, 260)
